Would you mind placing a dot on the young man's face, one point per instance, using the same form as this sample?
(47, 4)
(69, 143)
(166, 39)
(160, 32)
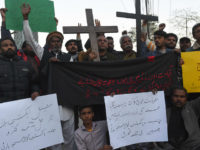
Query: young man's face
(171, 42)
(7, 45)
(110, 44)
(87, 115)
(185, 45)
(179, 98)
(159, 41)
(102, 43)
(28, 50)
(55, 43)
(197, 34)
(72, 47)
(28, 47)
(7, 48)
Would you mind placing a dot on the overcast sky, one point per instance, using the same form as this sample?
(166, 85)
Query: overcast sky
(71, 12)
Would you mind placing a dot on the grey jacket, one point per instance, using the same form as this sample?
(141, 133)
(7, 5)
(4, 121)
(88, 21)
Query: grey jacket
(93, 140)
(190, 114)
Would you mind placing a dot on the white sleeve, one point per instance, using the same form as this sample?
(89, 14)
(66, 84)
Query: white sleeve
(31, 41)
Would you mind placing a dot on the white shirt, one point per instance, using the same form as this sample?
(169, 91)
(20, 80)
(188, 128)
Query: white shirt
(65, 112)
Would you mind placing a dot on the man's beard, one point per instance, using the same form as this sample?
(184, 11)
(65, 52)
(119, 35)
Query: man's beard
(102, 50)
(110, 48)
(9, 53)
(56, 50)
(170, 47)
(179, 104)
(128, 49)
(73, 51)
(29, 53)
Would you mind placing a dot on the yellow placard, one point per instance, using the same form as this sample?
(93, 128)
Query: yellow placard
(191, 71)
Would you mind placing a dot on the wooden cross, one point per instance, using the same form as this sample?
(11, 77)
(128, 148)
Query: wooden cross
(92, 30)
(138, 16)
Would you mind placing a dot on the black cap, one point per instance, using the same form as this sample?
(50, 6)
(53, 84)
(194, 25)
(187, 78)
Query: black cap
(69, 41)
(185, 39)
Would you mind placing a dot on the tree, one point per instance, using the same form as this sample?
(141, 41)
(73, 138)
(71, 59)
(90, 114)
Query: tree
(152, 28)
(183, 20)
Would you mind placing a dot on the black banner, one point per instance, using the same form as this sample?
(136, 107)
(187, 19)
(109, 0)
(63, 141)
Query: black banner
(86, 83)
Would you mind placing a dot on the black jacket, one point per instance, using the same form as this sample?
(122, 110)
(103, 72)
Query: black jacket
(63, 57)
(44, 66)
(17, 79)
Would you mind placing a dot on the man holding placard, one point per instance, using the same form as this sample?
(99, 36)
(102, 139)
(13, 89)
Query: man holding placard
(91, 135)
(136, 118)
(17, 78)
(141, 117)
(52, 53)
(183, 127)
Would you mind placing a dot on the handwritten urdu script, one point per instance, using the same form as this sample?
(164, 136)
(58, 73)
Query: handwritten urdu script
(136, 118)
(32, 125)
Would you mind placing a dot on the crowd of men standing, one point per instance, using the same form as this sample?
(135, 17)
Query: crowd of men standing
(24, 74)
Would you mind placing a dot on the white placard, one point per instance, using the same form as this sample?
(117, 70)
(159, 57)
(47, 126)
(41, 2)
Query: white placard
(32, 125)
(136, 118)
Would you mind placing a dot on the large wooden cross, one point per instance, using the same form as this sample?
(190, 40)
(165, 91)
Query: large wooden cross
(138, 16)
(92, 30)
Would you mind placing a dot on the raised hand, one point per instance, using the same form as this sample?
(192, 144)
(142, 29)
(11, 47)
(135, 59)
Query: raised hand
(26, 9)
(78, 35)
(3, 14)
(144, 22)
(124, 32)
(143, 37)
(97, 23)
(56, 21)
(92, 56)
(162, 26)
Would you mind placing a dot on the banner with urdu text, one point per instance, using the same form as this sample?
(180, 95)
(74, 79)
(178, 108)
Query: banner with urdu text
(88, 82)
